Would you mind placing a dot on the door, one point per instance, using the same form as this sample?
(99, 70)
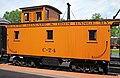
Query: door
(3, 40)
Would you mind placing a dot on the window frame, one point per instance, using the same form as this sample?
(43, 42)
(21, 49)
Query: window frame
(37, 16)
(47, 14)
(58, 16)
(26, 17)
(16, 35)
(92, 35)
(49, 34)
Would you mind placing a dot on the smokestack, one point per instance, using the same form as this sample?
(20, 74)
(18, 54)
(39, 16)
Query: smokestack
(68, 11)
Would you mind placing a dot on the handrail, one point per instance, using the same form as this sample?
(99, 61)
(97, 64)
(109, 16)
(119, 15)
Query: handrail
(9, 47)
(102, 53)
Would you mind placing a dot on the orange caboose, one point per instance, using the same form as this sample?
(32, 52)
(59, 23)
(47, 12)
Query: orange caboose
(61, 39)
(42, 39)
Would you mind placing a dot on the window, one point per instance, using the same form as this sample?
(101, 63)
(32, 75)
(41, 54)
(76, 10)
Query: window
(47, 13)
(16, 34)
(50, 34)
(58, 17)
(39, 15)
(26, 15)
(92, 34)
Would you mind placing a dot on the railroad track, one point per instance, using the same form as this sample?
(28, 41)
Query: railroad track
(67, 69)
(114, 66)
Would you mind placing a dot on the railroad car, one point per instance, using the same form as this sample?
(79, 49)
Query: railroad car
(43, 39)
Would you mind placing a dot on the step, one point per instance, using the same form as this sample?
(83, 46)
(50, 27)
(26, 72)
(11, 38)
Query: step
(114, 69)
(115, 74)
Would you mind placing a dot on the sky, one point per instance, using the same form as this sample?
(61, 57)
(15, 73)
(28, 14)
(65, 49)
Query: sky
(80, 9)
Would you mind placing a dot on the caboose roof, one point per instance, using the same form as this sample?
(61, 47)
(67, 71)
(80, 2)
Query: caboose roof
(40, 7)
(4, 21)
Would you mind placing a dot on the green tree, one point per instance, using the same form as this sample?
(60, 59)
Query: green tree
(61, 19)
(13, 16)
(97, 16)
(115, 31)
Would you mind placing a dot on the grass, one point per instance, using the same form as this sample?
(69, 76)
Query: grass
(114, 51)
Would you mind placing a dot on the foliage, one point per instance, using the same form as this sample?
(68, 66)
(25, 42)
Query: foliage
(97, 16)
(115, 31)
(114, 51)
(13, 16)
(61, 19)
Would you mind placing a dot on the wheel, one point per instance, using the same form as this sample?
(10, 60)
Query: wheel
(105, 68)
(31, 63)
(23, 62)
(16, 61)
(72, 66)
